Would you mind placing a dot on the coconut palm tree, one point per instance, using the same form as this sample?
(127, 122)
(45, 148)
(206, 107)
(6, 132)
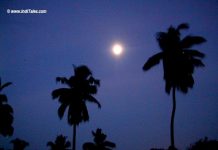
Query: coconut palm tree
(60, 143)
(81, 88)
(100, 142)
(6, 113)
(19, 144)
(179, 61)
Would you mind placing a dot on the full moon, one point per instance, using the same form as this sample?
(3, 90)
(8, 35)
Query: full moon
(117, 49)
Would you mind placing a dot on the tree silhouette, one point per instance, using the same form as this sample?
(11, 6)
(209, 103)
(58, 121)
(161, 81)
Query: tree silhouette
(179, 62)
(81, 88)
(60, 143)
(204, 144)
(19, 144)
(6, 113)
(100, 142)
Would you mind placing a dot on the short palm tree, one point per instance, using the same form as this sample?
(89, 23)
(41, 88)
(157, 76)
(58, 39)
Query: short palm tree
(100, 142)
(81, 88)
(179, 62)
(6, 113)
(19, 144)
(60, 143)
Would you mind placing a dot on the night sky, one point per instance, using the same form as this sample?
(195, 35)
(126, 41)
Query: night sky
(135, 113)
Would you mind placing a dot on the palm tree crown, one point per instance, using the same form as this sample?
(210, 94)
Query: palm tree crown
(100, 142)
(6, 113)
(60, 143)
(81, 88)
(179, 60)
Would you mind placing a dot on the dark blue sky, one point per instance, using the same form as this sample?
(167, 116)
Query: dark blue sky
(135, 114)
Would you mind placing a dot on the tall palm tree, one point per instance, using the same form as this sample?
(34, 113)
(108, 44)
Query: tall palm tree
(81, 88)
(179, 62)
(6, 113)
(19, 144)
(60, 143)
(100, 142)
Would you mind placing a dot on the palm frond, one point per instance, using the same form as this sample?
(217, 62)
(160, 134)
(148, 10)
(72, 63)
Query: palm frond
(91, 98)
(61, 110)
(183, 26)
(97, 82)
(197, 63)
(109, 144)
(152, 61)
(92, 89)
(194, 53)
(51, 144)
(58, 92)
(161, 35)
(190, 41)
(63, 80)
(5, 85)
(85, 112)
(92, 80)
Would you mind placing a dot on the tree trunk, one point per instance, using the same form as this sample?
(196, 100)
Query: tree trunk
(74, 137)
(172, 119)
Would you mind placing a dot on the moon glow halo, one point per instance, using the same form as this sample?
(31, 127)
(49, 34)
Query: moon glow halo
(117, 49)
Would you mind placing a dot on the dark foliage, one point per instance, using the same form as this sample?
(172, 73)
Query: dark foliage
(6, 113)
(100, 142)
(179, 63)
(179, 60)
(81, 88)
(204, 144)
(19, 144)
(60, 143)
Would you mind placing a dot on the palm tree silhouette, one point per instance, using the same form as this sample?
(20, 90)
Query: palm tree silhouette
(82, 87)
(179, 62)
(6, 113)
(60, 143)
(100, 142)
(19, 144)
